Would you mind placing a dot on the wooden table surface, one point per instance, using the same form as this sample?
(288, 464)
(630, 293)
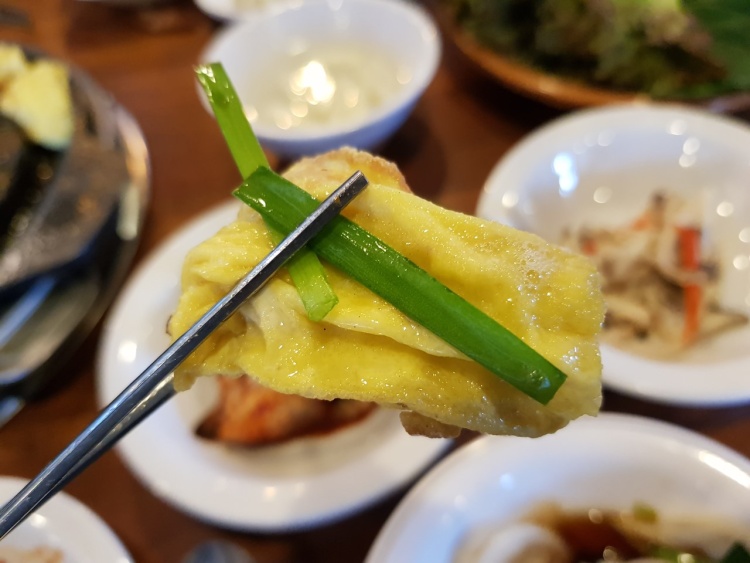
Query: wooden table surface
(460, 128)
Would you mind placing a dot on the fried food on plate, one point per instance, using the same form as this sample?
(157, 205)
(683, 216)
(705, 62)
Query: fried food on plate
(249, 414)
(367, 350)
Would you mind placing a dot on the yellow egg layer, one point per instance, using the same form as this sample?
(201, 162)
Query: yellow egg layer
(365, 349)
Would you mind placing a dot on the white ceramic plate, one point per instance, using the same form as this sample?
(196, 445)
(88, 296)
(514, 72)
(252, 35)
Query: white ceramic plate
(609, 462)
(600, 167)
(301, 484)
(64, 524)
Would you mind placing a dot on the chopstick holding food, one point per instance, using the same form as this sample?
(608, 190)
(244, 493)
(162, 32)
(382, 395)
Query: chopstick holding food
(462, 321)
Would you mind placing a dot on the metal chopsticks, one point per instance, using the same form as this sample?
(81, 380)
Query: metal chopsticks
(154, 386)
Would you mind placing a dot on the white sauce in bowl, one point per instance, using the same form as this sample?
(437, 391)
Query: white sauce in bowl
(323, 85)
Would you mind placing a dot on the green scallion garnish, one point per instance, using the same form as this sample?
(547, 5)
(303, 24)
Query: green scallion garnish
(306, 271)
(406, 286)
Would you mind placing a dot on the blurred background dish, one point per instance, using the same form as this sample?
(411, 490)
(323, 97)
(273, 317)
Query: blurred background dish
(302, 483)
(63, 527)
(73, 187)
(234, 10)
(71, 216)
(606, 463)
(136, 4)
(317, 75)
(600, 169)
(578, 54)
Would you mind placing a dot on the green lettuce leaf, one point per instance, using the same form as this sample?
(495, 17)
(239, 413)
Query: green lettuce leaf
(728, 24)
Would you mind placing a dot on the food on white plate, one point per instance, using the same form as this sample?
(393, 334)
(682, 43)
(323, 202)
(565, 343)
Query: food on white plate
(36, 95)
(552, 534)
(249, 414)
(661, 277)
(368, 350)
(34, 555)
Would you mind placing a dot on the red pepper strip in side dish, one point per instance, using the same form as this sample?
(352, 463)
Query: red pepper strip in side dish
(690, 247)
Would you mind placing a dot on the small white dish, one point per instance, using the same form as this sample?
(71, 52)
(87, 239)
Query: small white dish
(610, 462)
(302, 484)
(599, 167)
(235, 10)
(65, 524)
(292, 62)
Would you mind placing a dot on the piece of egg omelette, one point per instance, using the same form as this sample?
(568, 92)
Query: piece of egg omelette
(365, 349)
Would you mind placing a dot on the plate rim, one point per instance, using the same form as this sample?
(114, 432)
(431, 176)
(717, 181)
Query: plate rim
(90, 523)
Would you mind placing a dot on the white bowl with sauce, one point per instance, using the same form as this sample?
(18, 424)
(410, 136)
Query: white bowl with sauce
(469, 505)
(599, 168)
(319, 74)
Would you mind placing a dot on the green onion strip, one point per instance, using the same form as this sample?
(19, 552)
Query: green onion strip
(306, 271)
(406, 286)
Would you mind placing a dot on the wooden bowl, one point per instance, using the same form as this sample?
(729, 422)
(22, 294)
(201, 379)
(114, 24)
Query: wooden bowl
(565, 93)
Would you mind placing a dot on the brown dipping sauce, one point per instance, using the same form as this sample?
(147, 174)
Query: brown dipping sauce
(595, 534)
(591, 536)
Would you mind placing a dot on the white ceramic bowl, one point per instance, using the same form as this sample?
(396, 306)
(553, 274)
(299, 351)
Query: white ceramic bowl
(609, 463)
(599, 167)
(258, 51)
